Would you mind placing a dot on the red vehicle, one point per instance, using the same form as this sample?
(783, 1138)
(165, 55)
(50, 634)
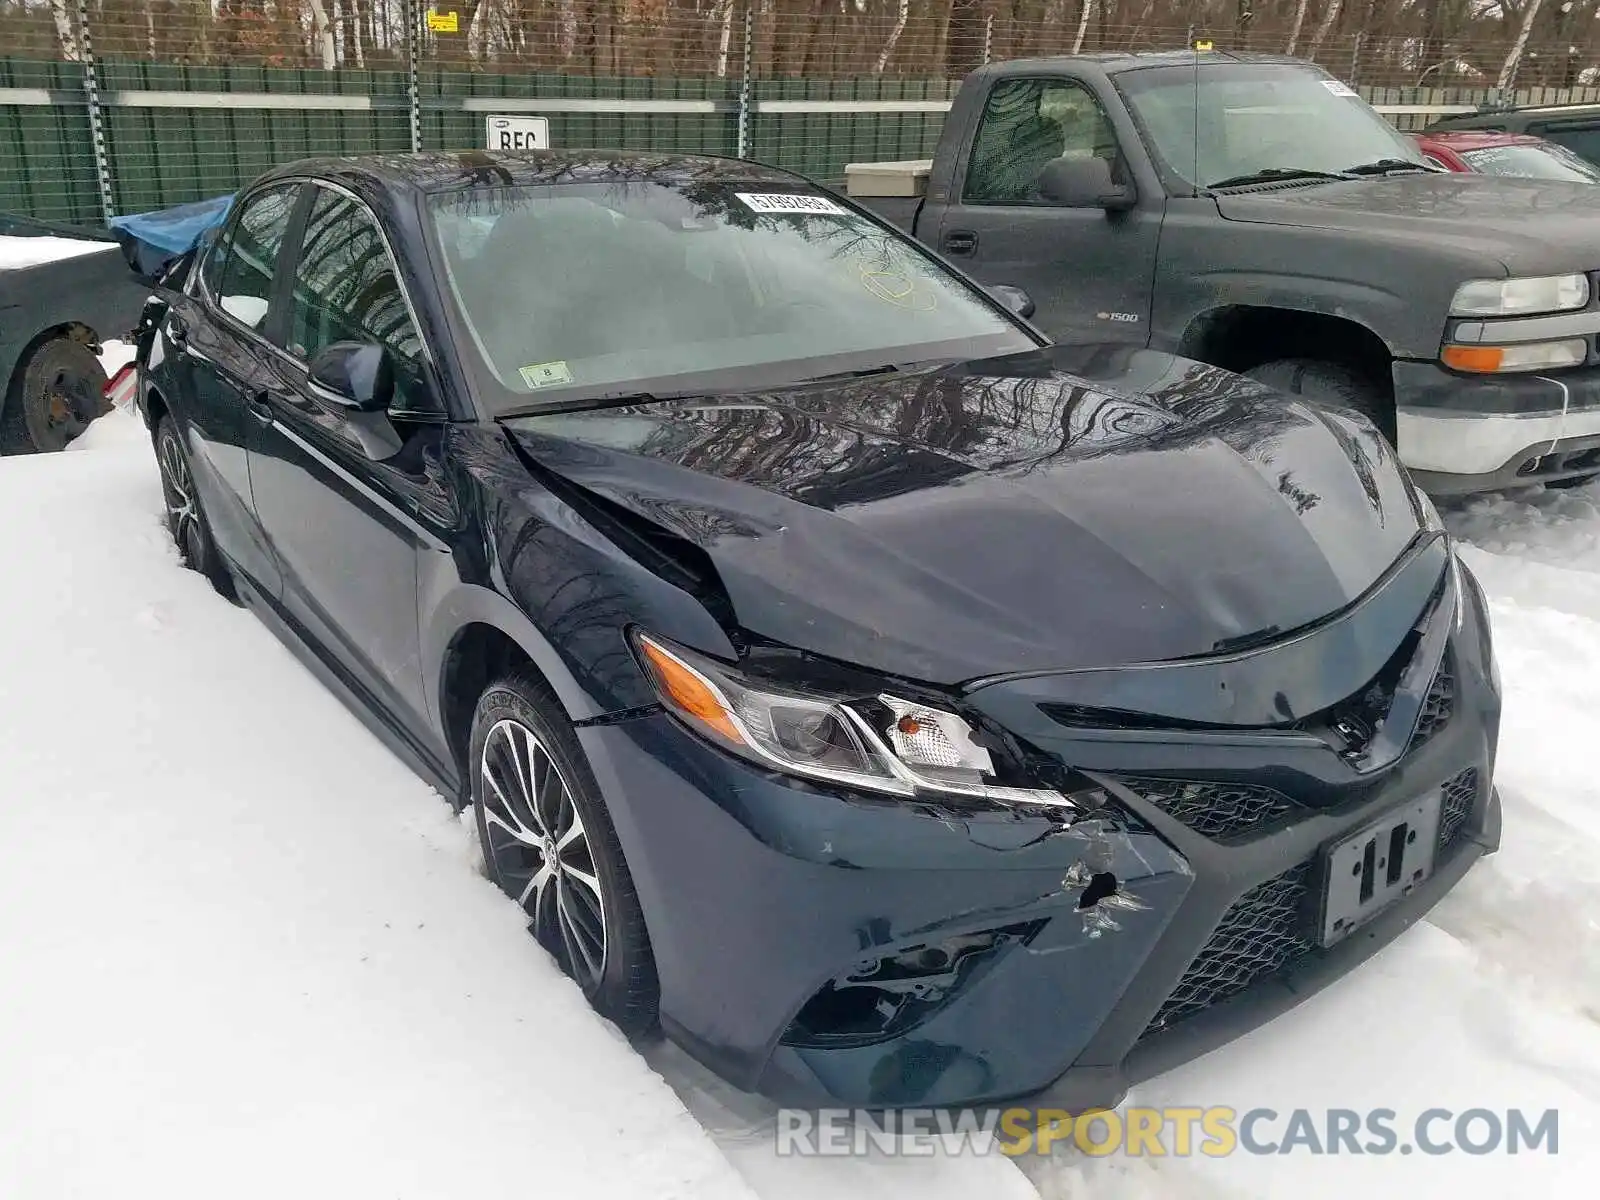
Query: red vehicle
(1488, 152)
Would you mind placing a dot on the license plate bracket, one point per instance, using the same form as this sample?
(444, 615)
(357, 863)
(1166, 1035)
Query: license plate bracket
(1367, 871)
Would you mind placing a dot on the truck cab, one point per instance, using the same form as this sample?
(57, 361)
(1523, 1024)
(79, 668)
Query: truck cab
(1252, 212)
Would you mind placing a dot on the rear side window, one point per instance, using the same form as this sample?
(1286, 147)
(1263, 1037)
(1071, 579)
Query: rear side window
(240, 267)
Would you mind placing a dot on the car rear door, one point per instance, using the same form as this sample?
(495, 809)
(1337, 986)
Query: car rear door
(341, 495)
(216, 340)
(1089, 272)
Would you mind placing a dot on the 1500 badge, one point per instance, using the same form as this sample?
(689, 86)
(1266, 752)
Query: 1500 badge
(1111, 316)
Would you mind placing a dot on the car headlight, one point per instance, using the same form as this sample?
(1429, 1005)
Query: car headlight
(884, 744)
(1518, 297)
(1525, 356)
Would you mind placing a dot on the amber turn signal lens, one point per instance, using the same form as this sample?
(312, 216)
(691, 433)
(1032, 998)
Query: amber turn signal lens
(688, 690)
(1474, 358)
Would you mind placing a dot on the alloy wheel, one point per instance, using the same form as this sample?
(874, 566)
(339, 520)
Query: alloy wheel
(183, 512)
(540, 850)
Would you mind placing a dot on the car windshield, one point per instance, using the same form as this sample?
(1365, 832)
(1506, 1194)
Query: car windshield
(1234, 120)
(1532, 160)
(574, 291)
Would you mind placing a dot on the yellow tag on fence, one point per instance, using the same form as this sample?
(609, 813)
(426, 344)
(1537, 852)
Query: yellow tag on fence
(439, 22)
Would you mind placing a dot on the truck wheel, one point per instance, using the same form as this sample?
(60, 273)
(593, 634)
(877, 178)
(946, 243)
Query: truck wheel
(1331, 386)
(57, 390)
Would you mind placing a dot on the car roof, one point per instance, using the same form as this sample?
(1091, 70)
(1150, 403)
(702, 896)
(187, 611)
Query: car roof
(1478, 139)
(1513, 118)
(433, 171)
(1123, 61)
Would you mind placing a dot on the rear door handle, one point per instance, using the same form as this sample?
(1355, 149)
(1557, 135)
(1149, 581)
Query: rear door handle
(960, 241)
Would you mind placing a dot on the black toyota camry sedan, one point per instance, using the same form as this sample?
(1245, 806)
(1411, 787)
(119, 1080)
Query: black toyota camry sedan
(892, 707)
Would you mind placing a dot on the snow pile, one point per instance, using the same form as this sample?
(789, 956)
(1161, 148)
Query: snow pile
(17, 252)
(240, 951)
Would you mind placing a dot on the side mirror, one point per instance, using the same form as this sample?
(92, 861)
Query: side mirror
(1083, 183)
(354, 375)
(1016, 301)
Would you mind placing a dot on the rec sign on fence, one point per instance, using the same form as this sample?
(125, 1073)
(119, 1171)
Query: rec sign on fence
(517, 133)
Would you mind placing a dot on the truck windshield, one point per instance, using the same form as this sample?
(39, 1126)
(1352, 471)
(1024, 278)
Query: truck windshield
(577, 291)
(1231, 121)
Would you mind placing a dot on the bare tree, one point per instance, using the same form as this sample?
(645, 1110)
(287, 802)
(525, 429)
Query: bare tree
(322, 35)
(1299, 20)
(1083, 26)
(894, 35)
(1509, 70)
(66, 30)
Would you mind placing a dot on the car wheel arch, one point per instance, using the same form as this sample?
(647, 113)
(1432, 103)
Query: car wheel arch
(75, 330)
(478, 635)
(1237, 337)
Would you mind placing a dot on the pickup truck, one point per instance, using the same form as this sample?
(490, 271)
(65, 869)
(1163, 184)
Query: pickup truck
(62, 291)
(1252, 212)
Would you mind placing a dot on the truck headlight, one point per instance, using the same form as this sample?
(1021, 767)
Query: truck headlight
(1528, 356)
(1519, 297)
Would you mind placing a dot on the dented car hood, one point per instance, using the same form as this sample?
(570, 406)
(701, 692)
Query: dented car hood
(1066, 508)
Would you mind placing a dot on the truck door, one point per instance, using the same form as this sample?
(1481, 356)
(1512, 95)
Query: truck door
(1088, 271)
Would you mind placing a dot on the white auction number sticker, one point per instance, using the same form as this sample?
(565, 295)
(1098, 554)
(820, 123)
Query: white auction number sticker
(789, 202)
(1337, 88)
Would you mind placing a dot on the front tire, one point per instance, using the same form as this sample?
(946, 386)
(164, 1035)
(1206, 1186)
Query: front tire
(550, 845)
(186, 519)
(1330, 385)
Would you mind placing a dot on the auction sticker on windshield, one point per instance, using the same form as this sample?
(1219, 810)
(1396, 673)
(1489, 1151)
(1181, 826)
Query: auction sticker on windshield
(1337, 88)
(789, 202)
(538, 375)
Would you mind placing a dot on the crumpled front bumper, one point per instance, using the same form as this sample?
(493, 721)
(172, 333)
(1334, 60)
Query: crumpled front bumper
(760, 892)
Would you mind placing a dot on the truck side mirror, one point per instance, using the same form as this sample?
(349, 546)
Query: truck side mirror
(1083, 183)
(1015, 300)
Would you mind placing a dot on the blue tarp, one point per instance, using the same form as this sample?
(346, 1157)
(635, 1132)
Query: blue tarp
(153, 239)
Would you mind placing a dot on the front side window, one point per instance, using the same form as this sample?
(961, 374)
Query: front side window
(609, 288)
(1026, 124)
(1532, 160)
(241, 265)
(346, 290)
(1235, 120)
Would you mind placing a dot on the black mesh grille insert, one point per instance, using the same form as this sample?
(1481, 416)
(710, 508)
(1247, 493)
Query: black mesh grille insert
(1217, 810)
(1439, 704)
(1264, 931)
(1459, 794)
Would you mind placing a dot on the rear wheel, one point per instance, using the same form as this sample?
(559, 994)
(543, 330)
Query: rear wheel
(550, 845)
(58, 390)
(1330, 385)
(186, 519)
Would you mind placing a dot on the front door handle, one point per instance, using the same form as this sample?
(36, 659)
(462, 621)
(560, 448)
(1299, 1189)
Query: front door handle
(259, 408)
(960, 241)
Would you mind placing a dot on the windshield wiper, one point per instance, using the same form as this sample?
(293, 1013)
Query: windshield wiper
(1386, 166)
(1273, 175)
(607, 400)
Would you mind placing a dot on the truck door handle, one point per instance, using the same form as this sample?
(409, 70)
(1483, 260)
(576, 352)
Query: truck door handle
(960, 241)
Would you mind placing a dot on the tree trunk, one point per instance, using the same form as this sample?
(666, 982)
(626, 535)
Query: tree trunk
(350, 16)
(1084, 18)
(1508, 72)
(894, 35)
(66, 22)
(1299, 20)
(322, 35)
(963, 49)
(1325, 28)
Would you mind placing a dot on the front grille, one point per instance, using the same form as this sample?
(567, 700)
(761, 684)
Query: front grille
(1264, 931)
(1460, 793)
(1216, 810)
(1438, 706)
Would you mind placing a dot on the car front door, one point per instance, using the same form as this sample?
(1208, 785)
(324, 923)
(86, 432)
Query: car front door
(216, 334)
(341, 494)
(1088, 271)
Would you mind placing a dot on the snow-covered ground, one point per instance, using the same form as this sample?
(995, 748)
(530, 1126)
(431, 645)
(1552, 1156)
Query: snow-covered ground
(244, 952)
(21, 251)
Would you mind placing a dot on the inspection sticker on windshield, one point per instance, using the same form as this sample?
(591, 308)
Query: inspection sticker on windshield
(545, 374)
(1337, 88)
(789, 202)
